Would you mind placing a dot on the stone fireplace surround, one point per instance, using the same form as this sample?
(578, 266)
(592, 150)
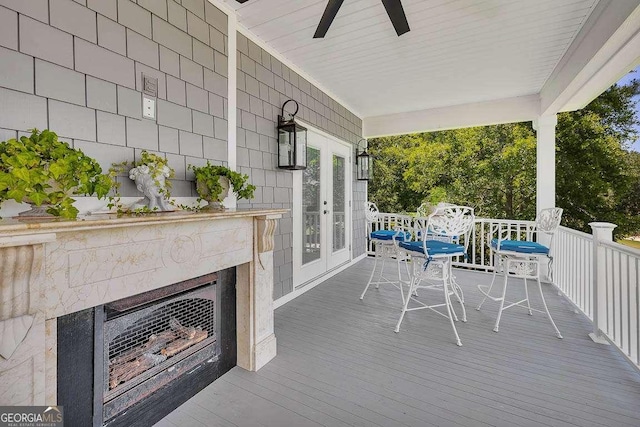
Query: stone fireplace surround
(50, 268)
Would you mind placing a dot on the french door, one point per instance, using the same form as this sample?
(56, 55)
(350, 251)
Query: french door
(322, 213)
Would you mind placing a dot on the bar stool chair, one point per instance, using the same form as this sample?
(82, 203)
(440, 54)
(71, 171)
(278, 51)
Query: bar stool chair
(386, 248)
(521, 259)
(420, 223)
(431, 262)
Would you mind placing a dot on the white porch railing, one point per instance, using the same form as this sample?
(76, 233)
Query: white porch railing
(573, 267)
(312, 231)
(388, 221)
(603, 283)
(618, 305)
(479, 256)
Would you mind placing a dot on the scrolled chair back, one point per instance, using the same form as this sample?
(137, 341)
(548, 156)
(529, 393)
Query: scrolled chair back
(424, 210)
(548, 220)
(452, 221)
(371, 212)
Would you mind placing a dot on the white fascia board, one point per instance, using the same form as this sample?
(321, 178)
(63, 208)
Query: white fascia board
(508, 110)
(603, 51)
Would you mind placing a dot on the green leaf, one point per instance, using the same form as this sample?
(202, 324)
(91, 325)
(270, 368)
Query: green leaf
(6, 181)
(16, 194)
(58, 169)
(38, 197)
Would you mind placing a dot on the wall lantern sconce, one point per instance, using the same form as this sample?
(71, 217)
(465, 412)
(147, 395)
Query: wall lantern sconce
(292, 141)
(363, 162)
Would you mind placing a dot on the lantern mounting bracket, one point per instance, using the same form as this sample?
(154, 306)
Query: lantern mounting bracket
(364, 150)
(292, 141)
(292, 114)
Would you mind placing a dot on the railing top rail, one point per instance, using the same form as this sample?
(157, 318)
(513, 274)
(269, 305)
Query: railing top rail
(575, 232)
(622, 248)
(505, 220)
(477, 219)
(393, 214)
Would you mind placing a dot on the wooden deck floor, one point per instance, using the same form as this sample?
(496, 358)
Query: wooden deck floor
(339, 363)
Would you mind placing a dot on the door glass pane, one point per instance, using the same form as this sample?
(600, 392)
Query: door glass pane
(339, 209)
(311, 207)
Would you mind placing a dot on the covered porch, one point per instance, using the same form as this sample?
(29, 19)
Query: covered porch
(225, 68)
(340, 363)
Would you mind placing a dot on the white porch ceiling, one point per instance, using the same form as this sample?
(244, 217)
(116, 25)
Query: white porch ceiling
(457, 52)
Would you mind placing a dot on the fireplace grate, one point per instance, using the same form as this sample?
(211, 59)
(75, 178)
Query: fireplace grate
(195, 313)
(149, 346)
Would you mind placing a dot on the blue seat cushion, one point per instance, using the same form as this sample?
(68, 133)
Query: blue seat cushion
(389, 235)
(434, 247)
(520, 246)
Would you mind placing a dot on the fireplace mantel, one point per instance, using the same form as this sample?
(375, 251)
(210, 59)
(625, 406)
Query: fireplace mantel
(49, 268)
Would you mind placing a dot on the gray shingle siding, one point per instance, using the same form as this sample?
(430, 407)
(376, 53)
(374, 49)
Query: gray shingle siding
(264, 83)
(87, 61)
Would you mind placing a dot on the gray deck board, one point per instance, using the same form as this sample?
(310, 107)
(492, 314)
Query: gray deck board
(339, 363)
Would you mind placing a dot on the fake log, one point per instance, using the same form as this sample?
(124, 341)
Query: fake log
(126, 371)
(183, 331)
(182, 343)
(153, 345)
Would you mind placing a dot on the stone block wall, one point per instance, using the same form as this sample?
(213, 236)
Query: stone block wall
(76, 68)
(264, 84)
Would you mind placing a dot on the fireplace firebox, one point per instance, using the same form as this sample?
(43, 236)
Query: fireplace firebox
(146, 347)
(153, 351)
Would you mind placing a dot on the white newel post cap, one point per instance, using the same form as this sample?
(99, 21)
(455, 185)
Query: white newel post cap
(602, 230)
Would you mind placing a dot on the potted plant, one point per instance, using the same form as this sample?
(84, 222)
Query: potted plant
(151, 174)
(46, 172)
(213, 183)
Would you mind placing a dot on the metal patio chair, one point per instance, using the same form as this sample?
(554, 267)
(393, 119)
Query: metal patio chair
(431, 261)
(521, 259)
(385, 248)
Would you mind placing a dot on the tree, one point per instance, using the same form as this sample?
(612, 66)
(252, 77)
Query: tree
(488, 168)
(493, 168)
(595, 174)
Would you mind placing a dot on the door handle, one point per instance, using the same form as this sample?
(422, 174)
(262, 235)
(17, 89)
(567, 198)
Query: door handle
(326, 211)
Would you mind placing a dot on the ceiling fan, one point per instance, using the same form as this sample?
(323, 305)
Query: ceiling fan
(393, 7)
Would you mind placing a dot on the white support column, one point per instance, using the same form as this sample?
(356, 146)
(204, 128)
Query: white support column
(232, 117)
(546, 161)
(602, 232)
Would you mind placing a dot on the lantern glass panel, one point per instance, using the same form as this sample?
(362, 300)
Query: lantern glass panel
(285, 148)
(363, 168)
(301, 149)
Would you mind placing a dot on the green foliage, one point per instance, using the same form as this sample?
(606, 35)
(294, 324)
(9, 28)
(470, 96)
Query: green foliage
(597, 178)
(493, 168)
(41, 169)
(209, 176)
(488, 168)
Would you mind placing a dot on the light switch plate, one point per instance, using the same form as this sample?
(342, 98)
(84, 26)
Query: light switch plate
(148, 108)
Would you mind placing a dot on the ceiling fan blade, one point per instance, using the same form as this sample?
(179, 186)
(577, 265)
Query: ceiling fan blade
(327, 18)
(397, 16)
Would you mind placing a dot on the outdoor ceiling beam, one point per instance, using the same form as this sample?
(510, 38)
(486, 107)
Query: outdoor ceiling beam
(508, 110)
(606, 48)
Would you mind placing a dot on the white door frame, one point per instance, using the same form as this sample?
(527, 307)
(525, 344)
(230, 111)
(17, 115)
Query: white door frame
(297, 209)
